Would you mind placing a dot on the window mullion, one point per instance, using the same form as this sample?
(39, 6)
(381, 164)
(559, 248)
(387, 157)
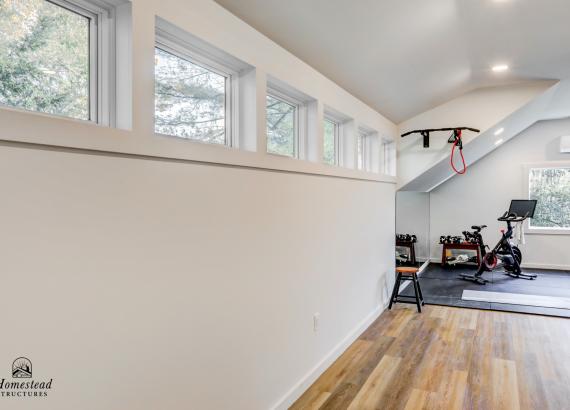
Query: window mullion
(297, 132)
(337, 143)
(95, 69)
(229, 122)
(363, 152)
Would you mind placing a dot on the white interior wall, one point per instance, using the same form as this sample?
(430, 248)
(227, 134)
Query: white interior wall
(412, 217)
(485, 192)
(155, 282)
(152, 284)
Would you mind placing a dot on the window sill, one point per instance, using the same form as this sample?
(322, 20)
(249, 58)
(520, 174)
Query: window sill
(44, 130)
(283, 156)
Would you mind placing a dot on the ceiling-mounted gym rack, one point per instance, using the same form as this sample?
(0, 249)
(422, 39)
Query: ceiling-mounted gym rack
(426, 132)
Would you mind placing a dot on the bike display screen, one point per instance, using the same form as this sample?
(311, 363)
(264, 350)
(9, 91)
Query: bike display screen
(523, 207)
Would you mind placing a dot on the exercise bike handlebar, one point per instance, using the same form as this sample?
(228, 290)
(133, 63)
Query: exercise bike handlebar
(512, 217)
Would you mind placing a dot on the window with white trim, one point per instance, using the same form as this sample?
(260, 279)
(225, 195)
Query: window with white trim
(57, 57)
(193, 96)
(551, 188)
(331, 139)
(282, 124)
(362, 148)
(388, 157)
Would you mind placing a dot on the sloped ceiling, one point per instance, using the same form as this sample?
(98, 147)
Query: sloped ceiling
(405, 57)
(482, 109)
(553, 102)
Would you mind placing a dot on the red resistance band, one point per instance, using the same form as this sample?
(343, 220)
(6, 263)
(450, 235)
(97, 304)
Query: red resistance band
(458, 141)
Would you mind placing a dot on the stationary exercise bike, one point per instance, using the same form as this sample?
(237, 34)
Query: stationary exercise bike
(509, 256)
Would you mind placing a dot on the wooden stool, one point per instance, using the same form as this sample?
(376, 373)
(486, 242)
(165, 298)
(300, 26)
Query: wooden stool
(407, 273)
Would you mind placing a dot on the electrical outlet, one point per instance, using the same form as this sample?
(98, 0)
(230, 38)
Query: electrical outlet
(316, 318)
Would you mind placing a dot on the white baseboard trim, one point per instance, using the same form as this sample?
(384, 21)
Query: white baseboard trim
(545, 266)
(306, 381)
(425, 264)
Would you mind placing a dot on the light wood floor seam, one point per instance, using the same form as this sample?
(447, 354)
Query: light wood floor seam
(450, 358)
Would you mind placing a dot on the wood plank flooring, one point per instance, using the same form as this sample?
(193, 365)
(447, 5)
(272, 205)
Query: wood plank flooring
(450, 358)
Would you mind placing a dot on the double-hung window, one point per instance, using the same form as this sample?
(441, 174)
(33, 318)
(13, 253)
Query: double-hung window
(51, 58)
(331, 142)
(550, 186)
(193, 95)
(282, 124)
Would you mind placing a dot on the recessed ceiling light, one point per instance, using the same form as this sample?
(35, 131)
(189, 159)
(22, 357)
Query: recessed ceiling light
(499, 142)
(499, 68)
(499, 131)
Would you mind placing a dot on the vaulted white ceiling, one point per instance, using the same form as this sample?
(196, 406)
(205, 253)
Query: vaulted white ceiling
(403, 57)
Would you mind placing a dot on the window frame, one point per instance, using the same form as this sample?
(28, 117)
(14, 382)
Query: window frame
(337, 150)
(363, 136)
(299, 118)
(94, 15)
(387, 166)
(526, 189)
(102, 69)
(179, 48)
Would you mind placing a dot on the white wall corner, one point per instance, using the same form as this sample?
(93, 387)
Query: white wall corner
(252, 93)
(143, 42)
(315, 131)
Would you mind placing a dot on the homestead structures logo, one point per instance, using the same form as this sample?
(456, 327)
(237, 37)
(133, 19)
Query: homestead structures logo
(22, 369)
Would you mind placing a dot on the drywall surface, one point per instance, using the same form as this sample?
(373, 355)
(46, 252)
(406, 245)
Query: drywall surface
(139, 279)
(480, 109)
(485, 192)
(143, 284)
(412, 217)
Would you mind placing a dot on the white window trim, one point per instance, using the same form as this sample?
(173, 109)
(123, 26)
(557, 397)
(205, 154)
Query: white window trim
(387, 165)
(102, 67)
(337, 138)
(366, 136)
(526, 190)
(345, 131)
(135, 135)
(179, 48)
(300, 127)
(336, 156)
(94, 15)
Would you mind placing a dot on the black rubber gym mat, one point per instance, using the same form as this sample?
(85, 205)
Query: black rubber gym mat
(442, 286)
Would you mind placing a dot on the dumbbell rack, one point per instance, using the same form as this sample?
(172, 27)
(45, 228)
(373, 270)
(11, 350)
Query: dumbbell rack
(462, 246)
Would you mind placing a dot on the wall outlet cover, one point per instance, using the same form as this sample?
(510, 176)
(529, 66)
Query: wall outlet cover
(316, 318)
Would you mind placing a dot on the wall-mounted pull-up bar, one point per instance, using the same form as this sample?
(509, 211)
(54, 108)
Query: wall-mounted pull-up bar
(455, 139)
(425, 133)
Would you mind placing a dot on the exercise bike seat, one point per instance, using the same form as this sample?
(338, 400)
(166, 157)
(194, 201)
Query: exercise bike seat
(478, 227)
